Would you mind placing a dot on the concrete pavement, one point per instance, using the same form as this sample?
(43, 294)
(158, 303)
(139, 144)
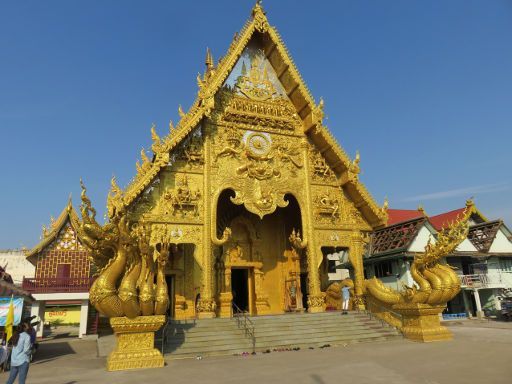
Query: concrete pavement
(476, 355)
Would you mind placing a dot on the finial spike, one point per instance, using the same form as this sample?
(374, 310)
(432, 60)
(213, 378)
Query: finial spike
(180, 111)
(209, 59)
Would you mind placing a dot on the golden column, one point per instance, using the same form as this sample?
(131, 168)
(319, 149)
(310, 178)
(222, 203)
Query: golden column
(356, 259)
(315, 298)
(206, 306)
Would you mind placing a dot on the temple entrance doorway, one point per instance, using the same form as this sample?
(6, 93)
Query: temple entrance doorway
(257, 269)
(240, 289)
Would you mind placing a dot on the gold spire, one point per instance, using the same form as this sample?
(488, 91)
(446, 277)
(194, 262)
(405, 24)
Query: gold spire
(209, 60)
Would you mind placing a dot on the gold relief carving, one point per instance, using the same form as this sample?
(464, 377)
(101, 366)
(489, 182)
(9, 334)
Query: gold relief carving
(260, 200)
(321, 171)
(256, 84)
(135, 343)
(176, 233)
(206, 305)
(192, 153)
(333, 238)
(327, 206)
(316, 303)
(260, 168)
(278, 114)
(182, 200)
(230, 143)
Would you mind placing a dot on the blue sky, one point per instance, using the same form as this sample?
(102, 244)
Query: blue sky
(422, 89)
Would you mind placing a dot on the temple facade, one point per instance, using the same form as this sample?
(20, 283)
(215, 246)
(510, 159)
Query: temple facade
(250, 189)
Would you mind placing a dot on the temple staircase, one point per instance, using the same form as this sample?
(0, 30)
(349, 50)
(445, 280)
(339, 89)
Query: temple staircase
(207, 337)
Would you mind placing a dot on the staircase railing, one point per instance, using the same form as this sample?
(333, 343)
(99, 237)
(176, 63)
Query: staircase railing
(244, 322)
(385, 314)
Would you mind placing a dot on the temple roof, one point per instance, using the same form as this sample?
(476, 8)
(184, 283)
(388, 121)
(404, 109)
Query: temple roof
(444, 219)
(295, 89)
(68, 214)
(395, 238)
(398, 215)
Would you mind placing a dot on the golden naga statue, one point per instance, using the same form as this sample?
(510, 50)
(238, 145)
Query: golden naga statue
(125, 265)
(436, 283)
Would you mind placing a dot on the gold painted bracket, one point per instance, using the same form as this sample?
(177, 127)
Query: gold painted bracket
(135, 343)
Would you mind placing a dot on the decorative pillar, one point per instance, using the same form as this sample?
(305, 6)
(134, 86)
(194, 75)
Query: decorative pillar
(479, 312)
(226, 297)
(356, 259)
(84, 312)
(316, 300)
(206, 306)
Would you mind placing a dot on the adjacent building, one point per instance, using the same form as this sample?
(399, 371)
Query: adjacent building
(483, 260)
(62, 277)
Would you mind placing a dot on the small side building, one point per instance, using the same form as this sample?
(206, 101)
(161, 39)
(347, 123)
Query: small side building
(483, 260)
(62, 277)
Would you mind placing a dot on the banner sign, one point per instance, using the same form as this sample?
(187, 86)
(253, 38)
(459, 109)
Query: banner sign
(4, 308)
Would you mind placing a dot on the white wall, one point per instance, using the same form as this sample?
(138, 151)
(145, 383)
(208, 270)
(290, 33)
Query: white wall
(501, 244)
(17, 265)
(466, 246)
(421, 240)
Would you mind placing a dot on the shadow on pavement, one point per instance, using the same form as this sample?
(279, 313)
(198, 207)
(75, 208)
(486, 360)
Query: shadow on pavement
(51, 351)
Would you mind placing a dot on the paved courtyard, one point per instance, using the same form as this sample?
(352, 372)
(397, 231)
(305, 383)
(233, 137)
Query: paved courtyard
(480, 353)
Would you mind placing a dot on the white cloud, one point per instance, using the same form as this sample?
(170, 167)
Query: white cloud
(460, 192)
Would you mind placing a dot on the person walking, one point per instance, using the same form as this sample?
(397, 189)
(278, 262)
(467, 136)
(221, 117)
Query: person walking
(20, 355)
(345, 296)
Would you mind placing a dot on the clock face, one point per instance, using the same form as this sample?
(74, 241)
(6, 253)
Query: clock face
(259, 144)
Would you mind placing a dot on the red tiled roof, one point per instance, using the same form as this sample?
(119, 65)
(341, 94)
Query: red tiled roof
(444, 219)
(399, 215)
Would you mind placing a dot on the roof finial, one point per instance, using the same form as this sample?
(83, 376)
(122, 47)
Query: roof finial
(260, 20)
(209, 60)
(421, 209)
(385, 206)
(70, 202)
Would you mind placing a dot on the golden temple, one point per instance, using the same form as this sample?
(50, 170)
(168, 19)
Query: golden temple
(238, 205)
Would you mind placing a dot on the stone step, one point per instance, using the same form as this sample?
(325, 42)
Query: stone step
(269, 331)
(231, 350)
(207, 337)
